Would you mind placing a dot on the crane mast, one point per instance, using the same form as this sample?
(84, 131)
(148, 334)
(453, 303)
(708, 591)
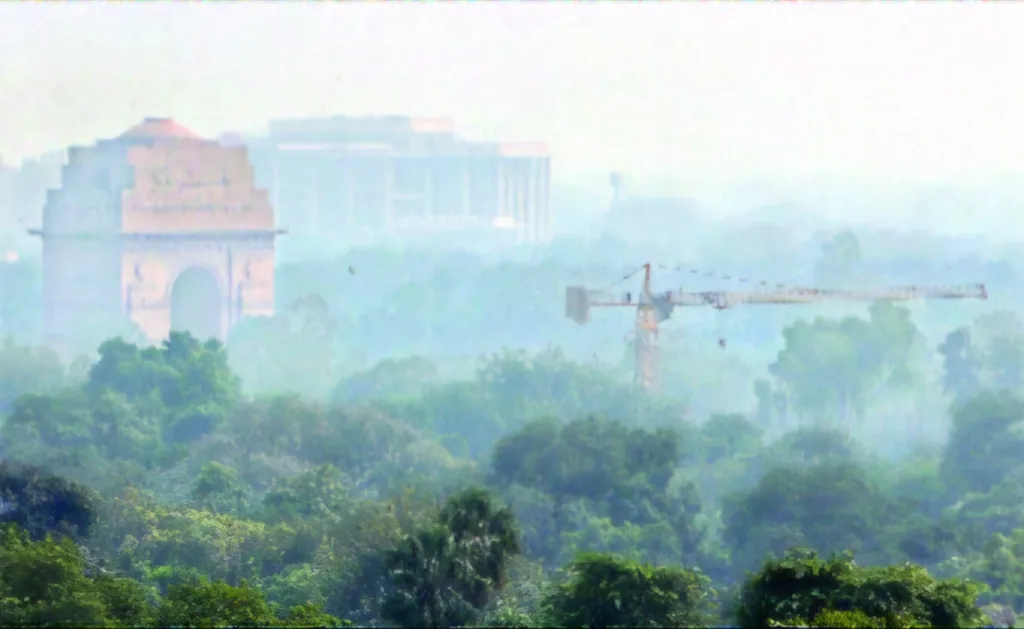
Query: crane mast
(653, 308)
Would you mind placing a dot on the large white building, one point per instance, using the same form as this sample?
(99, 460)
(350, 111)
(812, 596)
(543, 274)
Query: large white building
(359, 179)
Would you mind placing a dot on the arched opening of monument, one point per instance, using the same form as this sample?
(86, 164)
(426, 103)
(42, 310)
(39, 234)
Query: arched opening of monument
(195, 304)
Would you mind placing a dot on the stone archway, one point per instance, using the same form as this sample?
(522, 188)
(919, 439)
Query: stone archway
(196, 304)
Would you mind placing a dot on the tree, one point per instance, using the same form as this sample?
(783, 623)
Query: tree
(1001, 567)
(445, 574)
(188, 385)
(428, 580)
(594, 484)
(728, 437)
(27, 370)
(604, 591)
(1002, 343)
(829, 367)
(217, 488)
(202, 603)
(841, 261)
(293, 351)
(40, 503)
(49, 582)
(984, 442)
(960, 364)
(486, 533)
(311, 616)
(316, 493)
(178, 371)
(170, 545)
(830, 506)
(526, 387)
(464, 414)
(820, 368)
(803, 585)
(593, 478)
(813, 446)
(402, 378)
(588, 458)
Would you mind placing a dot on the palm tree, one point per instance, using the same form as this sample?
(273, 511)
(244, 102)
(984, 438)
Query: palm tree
(442, 576)
(487, 534)
(428, 574)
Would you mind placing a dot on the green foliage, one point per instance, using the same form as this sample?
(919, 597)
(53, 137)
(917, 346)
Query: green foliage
(165, 545)
(729, 437)
(804, 585)
(49, 582)
(312, 616)
(429, 581)
(221, 509)
(827, 506)
(1001, 568)
(138, 409)
(855, 619)
(588, 458)
(597, 481)
(26, 370)
(984, 443)
(294, 351)
(217, 604)
(41, 503)
(445, 574)
(961, 364)
(604, 591)
(176, 374)
(391, 378)
(828, 367)
(217, 488)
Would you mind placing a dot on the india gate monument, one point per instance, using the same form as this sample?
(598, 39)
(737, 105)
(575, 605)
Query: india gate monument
(159, 228)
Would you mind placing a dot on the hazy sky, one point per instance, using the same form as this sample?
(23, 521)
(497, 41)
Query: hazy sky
(677, 88)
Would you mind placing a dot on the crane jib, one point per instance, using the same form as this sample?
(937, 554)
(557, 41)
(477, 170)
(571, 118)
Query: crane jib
(654, 307)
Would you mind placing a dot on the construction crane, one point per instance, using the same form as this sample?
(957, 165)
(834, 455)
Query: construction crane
(653, 308)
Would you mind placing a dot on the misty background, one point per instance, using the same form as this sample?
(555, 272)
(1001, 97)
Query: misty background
(299, 468)
(823, 145)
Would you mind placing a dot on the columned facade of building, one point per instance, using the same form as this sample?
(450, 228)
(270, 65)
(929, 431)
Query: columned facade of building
(402, 177)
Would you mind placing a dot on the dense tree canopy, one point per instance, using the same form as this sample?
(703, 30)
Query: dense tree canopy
(860, 472)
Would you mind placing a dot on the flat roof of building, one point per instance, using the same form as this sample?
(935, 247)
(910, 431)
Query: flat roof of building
(397, 134)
